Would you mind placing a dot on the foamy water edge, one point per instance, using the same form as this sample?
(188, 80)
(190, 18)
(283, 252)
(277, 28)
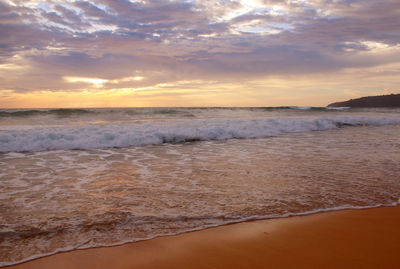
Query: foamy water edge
(251, 218)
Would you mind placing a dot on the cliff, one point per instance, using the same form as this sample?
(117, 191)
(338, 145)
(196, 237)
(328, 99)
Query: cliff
(391, 100)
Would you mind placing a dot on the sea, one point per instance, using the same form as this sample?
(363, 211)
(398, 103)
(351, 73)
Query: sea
(80, 178)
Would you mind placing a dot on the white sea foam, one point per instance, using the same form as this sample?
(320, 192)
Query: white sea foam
(42, 138)
(118, 195)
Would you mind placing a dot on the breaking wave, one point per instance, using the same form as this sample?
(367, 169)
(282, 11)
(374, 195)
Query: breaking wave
(92, 136)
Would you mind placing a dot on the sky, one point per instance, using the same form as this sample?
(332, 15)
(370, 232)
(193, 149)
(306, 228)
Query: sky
(135, 53)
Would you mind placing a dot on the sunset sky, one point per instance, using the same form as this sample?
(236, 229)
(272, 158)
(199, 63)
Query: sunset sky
(196, 53)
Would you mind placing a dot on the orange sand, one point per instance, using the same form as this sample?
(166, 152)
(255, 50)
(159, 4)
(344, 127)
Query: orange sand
(343, 239)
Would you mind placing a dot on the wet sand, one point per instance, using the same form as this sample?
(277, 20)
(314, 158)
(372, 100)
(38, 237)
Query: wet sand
(368, 238)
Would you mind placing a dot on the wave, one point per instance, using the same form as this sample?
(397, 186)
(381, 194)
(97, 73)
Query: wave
(66, 112)
(35, 138)
(61, 112)
(312, 108)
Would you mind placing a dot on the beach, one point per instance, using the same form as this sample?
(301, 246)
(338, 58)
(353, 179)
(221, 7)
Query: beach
(104, 178)
(366, 238)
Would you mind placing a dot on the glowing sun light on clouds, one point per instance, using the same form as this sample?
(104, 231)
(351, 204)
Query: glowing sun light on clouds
(97, 82)
(138, 48)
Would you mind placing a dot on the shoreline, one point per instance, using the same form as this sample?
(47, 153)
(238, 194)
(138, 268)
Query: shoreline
(349, 238)
(234, 222)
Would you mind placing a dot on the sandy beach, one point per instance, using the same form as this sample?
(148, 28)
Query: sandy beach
(366, 238)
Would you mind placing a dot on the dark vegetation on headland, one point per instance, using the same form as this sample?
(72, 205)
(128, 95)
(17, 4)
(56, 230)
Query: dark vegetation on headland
(391, 100)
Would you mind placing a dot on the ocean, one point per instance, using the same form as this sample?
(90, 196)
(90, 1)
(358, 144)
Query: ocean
(80, 178)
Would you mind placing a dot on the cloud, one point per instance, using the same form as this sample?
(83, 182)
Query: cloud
(170, 41)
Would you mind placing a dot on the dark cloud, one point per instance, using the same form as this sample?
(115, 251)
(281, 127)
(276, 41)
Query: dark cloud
(108, 66)
(54, 17)
(68, 14)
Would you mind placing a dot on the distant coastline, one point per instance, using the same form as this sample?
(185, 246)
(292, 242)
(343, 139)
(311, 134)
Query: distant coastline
(391, 100)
